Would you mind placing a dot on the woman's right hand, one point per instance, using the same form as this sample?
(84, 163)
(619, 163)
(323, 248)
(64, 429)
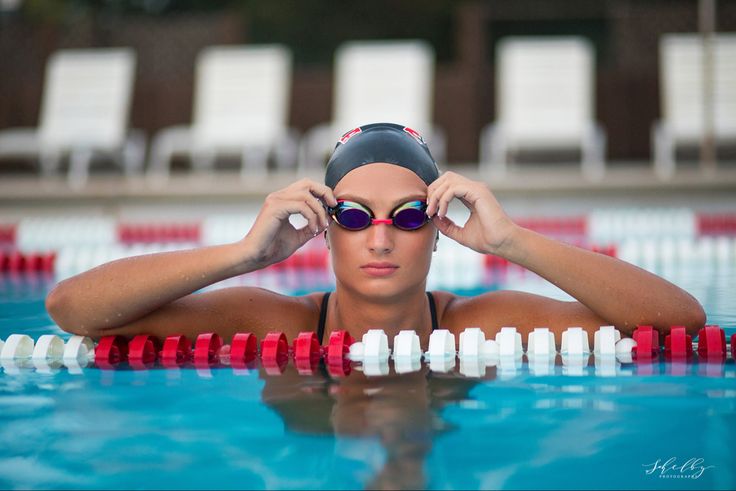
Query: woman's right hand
(272, 238)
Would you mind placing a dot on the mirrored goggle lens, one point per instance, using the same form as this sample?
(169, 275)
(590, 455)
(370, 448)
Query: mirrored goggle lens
(353, 218)
(410, 218)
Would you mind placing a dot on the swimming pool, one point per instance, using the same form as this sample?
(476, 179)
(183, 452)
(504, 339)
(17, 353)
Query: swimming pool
(660, 425)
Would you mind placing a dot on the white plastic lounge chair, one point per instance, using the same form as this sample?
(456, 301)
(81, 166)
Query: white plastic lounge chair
(241, 105)
(545, 100)
(681, 93)
(377, 81)
(84, 112)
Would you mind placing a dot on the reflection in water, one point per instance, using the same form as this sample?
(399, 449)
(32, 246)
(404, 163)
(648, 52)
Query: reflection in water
(331, 429)
(564, 423)
(577, 409)
(398, 410)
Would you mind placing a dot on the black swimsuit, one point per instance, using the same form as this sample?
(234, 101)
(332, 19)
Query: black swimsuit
(323, 315)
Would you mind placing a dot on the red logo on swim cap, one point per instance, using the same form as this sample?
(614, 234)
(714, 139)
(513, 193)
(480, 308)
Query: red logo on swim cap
(415, 134)
(350, 134)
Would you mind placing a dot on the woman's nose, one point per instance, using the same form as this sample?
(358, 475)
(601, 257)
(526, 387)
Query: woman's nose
(380, 237)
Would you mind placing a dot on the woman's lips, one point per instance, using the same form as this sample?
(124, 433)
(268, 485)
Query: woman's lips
(379, 270)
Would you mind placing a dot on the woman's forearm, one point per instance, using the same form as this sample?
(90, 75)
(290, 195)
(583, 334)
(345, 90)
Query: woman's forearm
(615, 290)
(122, 291)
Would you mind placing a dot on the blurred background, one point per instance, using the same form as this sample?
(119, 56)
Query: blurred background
(170, 120)
(623, 40)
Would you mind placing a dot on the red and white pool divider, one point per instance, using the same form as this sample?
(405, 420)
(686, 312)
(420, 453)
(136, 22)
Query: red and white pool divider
(475, 352)
(69, 245)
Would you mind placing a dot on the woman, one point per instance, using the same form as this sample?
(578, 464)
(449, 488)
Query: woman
(380, 264)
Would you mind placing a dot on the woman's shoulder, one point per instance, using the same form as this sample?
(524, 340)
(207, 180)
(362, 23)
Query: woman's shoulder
(314, 299)
(455, 312)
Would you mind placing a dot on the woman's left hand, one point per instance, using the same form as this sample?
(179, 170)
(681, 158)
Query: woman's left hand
(488, 226)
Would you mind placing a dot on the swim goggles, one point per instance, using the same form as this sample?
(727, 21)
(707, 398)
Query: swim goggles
(355, 216)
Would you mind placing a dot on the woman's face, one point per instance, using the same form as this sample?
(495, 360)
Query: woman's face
(381, 187)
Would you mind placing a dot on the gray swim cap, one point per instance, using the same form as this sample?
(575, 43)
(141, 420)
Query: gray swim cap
(381, 142)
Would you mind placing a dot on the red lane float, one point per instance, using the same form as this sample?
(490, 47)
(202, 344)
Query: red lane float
(143, 349)
(339, 368)
(339, 346)
(491, 261)
(647, 342)
(306, 346)
(7, 233)
(176, 350)
(206, 348)
(307, 352)
(711, 342)
(110, 351)
(678, 344)
(274, 347)
(717, 224)
(15, 261)
(733, 346)
(306, 366)
(244, 347)
(274, 353)
(275, 366)
(48, 261)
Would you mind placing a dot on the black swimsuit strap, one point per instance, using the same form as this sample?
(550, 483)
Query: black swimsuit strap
(323, 315)
(322, 318)
(432, 311)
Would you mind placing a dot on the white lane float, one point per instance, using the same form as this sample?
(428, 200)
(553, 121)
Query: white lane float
(17, 346)
(509, 343)
(406, 345)
(441, 344)
(77, 350)
(48, 347)
(541, 343)
(605, 339)
(574, 342)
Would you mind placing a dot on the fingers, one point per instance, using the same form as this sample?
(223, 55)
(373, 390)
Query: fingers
(447, 227)
(449, 186)
(320, 191)
(305, 197)
(315, 191)
(447, 195)
(305, 210)
(316, 206)
(433, 198)
(438, 188)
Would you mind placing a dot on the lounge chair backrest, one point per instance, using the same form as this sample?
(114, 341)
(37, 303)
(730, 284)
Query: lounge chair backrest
(544, 89)
(390, 81)
(242, 95)
(86, 99)
(681, 81)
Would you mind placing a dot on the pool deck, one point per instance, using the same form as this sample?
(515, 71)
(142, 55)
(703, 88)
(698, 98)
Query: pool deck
(633, 183)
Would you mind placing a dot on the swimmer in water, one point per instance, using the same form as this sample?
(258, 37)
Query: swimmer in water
(382, 207)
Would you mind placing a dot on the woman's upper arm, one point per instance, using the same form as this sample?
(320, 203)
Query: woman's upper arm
(224, 311)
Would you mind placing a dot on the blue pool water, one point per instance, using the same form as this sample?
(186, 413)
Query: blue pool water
(507, 429)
